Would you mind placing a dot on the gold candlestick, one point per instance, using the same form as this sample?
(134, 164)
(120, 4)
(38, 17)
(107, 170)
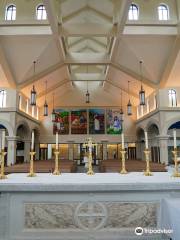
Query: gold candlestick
(31, 171)
(176, 170)
(147, 172)
(90, 169)
(56, 169)
(90, 144)
(123, 170)
(2, 155)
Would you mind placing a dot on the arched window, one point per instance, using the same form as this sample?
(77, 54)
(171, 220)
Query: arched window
(10, 14)
(172, 98)
(2, 98)
(133, 12)
(41, 12)
(163, 12)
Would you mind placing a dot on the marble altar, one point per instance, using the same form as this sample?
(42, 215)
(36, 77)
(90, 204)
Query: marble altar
(106, 206)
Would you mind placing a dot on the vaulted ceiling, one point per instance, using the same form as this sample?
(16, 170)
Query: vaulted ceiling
(89, 43)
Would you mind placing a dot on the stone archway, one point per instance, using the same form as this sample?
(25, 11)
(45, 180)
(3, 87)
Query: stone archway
(23, 141)
(8, 127)
(175, 125)
(3, 127)
(36, 141)
(153, 133)
(140, 143)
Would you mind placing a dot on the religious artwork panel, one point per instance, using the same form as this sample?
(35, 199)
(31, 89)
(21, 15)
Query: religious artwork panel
(61, 124)
(114, 124)
(96, 121)
(79, 121)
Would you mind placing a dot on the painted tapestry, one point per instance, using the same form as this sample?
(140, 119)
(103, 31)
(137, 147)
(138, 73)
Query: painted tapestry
(79, 122)
(61, 123)
(96, 121)
(114, 124)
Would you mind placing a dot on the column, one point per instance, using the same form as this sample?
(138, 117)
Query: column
(105, 155)
(27, 146)
(139, 150)
(163, 144)
(70, 151)
(49, 151)
(37, 150)
(11, 151)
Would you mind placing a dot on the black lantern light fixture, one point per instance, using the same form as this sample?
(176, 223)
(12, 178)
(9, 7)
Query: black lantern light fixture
(121, 110)
(45, 103)
(87, 92)
(33, 91)
(87, 97)
(129, 105)
(142, 91)
(53, 114)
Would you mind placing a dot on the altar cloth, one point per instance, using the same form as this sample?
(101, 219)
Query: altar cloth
(81, 181)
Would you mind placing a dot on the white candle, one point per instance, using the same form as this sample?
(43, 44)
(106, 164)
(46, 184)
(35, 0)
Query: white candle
(146, 140)
(56, 140)
(32, 141)
(122, 140)
(3, 139)
(174, 134)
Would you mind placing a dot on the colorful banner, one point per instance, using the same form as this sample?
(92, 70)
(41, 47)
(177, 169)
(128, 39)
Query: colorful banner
(79, 122)
(114, 124)
(61, 123)
(96, 121)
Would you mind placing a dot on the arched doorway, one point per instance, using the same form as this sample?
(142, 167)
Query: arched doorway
(153, 133)
(3, 128)
(173, 126)
(36, 143)
(23, 142)
(140, 143)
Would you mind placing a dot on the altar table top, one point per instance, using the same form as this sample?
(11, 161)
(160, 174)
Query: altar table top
(82, 182)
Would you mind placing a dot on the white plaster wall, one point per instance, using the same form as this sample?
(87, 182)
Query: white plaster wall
(11, 97)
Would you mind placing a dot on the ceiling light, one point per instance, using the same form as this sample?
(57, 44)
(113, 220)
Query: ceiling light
(33, 91)
(129, 105)
(142, 91)
(45, 104)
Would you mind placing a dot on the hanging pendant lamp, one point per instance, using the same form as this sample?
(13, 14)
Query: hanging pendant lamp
(53, 114)
(33, 91)
(45, 103)
(142, 91)
(129, 105)
(121, 110)
(87, 92)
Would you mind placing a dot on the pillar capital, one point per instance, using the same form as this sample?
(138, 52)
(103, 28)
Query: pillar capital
(163, 137)
(12, 138)
(26, 140)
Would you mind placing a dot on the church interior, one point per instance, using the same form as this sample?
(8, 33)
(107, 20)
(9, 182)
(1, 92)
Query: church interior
(89, 119)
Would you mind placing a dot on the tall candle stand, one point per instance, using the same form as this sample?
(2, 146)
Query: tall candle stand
(56, 169)
(176, 170)
(31, 170)
(2, 156)
(89, 144)
(123, 170)
(90, 169)
(148, 171)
